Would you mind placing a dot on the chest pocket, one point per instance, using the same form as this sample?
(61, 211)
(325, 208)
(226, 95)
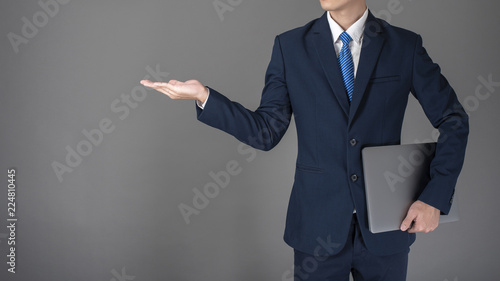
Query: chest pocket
(382, 79)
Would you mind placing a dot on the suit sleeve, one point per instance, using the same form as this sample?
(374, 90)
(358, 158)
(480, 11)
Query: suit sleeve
(262, 128)
(442, 108)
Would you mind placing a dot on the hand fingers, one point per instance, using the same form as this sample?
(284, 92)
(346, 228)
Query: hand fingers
(165, 91)
(154, 85)
(174, 89)
(415, 228)
(171, 94)
(149, 83)
(174, 82)
(146, 82)
(159, 86)
(405, 225)
(420, 226)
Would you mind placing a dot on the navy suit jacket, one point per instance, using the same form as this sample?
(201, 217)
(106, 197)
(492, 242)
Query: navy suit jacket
(304, 80)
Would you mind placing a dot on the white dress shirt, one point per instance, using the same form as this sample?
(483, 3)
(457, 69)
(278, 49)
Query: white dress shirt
(356, 33)
(202, 105)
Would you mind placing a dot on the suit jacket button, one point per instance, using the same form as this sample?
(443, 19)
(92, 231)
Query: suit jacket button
(354, 178)
(353, 142)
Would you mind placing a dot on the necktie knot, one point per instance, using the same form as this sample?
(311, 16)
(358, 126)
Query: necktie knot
(346, 39)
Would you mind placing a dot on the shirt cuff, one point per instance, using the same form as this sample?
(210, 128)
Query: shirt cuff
(202, 105)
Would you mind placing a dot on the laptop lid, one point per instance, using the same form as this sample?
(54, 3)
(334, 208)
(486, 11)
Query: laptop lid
(395, 175)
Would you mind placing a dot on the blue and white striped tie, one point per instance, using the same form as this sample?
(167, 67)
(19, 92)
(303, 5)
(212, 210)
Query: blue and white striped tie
(346, 64)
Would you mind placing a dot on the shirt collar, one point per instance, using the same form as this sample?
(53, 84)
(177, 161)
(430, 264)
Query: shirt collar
(355, 30)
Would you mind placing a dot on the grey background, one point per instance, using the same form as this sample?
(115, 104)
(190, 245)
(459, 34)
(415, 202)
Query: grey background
(118, 209)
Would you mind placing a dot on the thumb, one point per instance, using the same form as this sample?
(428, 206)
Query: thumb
(407, 221)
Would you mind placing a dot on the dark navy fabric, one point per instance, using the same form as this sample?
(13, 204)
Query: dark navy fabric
(303, 79)
(354, 258)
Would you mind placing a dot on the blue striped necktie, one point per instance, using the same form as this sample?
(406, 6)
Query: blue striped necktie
(346, 64)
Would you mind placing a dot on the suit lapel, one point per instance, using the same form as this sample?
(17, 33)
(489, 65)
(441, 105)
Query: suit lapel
(323, 42)
(373, 40)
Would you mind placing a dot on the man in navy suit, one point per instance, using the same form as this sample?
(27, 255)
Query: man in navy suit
(346, 78)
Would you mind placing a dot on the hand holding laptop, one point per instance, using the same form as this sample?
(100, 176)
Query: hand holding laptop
(394, 177)
(421, 217)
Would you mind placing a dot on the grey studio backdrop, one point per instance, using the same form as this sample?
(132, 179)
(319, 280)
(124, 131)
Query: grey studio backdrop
(70, 68)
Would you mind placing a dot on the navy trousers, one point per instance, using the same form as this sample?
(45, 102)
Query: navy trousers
(354, 259)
